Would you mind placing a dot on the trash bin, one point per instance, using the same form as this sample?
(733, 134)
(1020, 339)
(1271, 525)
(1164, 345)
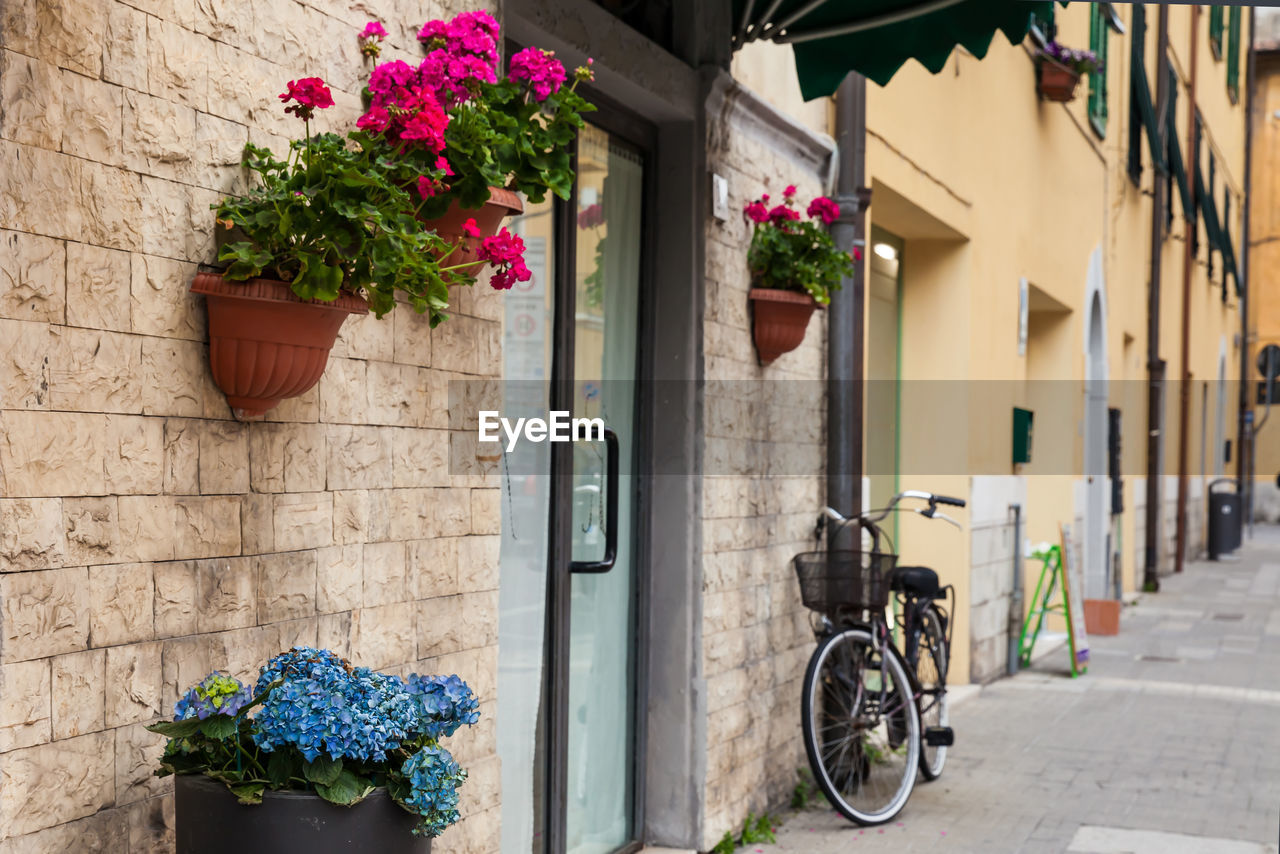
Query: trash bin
(1226, 519)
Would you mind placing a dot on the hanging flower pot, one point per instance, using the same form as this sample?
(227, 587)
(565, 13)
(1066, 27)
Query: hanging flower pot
(1056, 81)
(207, 815)
(502, 204)
(780, 320)
(265, 342)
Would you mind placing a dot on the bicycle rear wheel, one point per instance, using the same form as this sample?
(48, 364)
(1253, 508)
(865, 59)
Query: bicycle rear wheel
(931, 677)
(861, 726)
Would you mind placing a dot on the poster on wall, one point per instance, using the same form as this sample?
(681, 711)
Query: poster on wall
(1073, 602)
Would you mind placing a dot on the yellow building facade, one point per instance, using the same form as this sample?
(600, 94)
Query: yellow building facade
(1010, 255)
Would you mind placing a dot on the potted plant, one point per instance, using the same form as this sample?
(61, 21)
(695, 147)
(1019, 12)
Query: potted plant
(493, 138)
(794, 266)
(319, 757)
(1059, 69)
(334, 229)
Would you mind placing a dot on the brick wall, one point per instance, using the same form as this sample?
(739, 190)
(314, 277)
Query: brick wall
(147, 538)
(763, 425)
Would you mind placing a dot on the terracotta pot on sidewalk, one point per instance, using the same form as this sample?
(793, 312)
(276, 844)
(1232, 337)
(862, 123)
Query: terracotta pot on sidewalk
(780, 320)
(1102, 616)
(502, 204)
(265, 342)
(1056, 82)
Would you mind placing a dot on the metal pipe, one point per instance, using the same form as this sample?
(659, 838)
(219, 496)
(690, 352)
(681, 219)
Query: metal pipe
(1155, 366)
(1244, 417)
(895, 17)
(1015, 594)
(1188, 265)
(845, 336)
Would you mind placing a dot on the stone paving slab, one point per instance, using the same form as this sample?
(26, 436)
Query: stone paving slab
(1175, 730)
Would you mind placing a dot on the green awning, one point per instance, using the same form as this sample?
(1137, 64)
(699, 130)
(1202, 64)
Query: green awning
(875, 37)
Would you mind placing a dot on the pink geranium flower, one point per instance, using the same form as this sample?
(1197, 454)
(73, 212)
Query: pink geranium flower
(757, 211)
(505, 251)
(540, 69)
(371, 37)
(824, 209)
(310, 93)
(376, 120)
(470, 229)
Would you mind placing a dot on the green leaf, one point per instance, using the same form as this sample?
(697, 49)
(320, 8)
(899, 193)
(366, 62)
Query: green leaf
(248, 793)
(177, 729)
(347, 789)
(219, 726)
(281, 765)
(322, 770)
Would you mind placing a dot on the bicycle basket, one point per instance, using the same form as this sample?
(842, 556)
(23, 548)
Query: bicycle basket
(830, 580)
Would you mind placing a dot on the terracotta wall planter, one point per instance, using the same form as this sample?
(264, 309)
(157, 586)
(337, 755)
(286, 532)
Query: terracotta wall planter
(502, 204)
(780, 321)
(265, 342)
(209, 820)
(1056, 82)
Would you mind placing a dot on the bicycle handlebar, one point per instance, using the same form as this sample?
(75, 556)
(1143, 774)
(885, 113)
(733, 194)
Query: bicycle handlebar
(873, 516)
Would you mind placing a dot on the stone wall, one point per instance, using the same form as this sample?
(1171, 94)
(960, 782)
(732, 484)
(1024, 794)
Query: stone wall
(146, 537)
(764, 426)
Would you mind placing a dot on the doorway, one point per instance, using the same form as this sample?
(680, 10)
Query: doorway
(1097, 504)
(569, 603)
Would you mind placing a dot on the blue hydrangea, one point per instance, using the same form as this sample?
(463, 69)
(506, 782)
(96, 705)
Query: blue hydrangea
(323, 705)
(217, 694)
(446, 704)
(434, 778)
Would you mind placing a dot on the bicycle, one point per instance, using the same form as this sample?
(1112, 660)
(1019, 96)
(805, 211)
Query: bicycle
(864, 703)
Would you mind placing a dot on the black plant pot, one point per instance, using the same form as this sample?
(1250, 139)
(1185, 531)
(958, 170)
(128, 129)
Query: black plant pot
(211, 821)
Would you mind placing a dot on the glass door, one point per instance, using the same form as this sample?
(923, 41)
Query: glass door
(567, 605)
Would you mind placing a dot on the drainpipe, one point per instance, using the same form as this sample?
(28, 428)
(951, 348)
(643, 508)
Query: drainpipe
(1155, 365)
(1244, 421)
(1188, 265)
(1015, 594)
(845, 336)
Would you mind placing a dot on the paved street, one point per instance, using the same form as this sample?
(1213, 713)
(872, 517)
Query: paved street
(1171, 742)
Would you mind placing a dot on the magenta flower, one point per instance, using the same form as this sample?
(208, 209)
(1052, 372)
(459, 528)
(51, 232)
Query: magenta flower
(789, 191)
(371, 37)
(470, 229)
(782, 213)
(505, 251)
(443, 165)
(426, 126)
(540, 69)
(757, 211)
(390, 76)
(310, 93)
(376, 120)
(824, 209)
(463, 53)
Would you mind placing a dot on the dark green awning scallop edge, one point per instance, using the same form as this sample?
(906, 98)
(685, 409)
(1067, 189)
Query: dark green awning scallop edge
(833, 37)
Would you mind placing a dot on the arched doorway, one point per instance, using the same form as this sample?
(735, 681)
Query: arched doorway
(1096, 503)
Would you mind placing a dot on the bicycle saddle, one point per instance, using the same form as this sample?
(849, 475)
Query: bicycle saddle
(918, 581)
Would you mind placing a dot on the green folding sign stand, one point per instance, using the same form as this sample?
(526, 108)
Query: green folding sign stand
(1042, 604)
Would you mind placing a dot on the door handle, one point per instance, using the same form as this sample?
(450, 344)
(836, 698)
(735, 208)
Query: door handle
(610, 512)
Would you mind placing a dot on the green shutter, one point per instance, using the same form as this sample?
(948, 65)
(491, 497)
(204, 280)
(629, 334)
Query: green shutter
(1233, 55)
(1098, 32)
(1215, 30)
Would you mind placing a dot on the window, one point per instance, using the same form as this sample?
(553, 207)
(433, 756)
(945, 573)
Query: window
(1215, 31)
(1098, 38)
(1233, 55)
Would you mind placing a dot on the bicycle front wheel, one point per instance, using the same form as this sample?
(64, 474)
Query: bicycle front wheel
(931, 676)
(861, 726)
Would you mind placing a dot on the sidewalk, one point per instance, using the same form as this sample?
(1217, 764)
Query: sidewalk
(1171, 742)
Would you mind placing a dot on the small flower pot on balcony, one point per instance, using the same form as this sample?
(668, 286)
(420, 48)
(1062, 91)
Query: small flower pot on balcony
(502, 204)
(780, 319)
(209, 820)
(266, 343)
(1056, 82)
